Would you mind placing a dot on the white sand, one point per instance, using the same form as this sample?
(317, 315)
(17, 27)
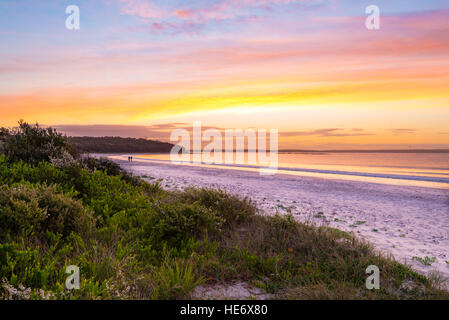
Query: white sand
(401, 220)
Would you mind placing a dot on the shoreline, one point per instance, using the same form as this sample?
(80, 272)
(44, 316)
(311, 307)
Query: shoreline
(392, 175)
(409, 222)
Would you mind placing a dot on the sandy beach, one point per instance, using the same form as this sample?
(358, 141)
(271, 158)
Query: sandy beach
(406, 221)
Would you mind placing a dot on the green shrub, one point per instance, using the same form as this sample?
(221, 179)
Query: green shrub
(173, 223)
(43, 173)
(32, 211)
(101, 164)
(231, 208)
(105, 195)
(33, 144)
(108, 166)
(28, 267)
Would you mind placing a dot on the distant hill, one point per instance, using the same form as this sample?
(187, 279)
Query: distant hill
(119, 145)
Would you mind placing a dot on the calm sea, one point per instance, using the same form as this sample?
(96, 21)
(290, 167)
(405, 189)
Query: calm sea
(419, 169)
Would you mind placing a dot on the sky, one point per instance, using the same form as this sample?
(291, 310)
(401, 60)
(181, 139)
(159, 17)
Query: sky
(309, 68)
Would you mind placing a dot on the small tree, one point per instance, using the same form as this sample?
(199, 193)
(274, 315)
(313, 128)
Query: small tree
(32, 144)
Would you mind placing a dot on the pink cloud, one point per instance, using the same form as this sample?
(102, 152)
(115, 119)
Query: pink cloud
(142, 8)
(192, 19)
(184, 13)
(225, 9)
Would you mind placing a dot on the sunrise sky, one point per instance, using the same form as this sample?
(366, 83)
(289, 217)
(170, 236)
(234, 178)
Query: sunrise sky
(309, 68)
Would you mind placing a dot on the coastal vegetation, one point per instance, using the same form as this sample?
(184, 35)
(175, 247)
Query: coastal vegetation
(132, 239)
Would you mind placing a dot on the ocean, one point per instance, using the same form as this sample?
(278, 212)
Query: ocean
(428, 169)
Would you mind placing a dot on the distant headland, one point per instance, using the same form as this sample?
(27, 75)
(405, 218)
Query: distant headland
(119, 145)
